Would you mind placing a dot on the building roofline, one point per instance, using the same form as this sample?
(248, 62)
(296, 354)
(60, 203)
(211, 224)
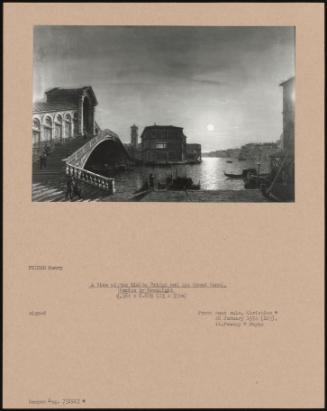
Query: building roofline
(162, 126)
(48, 108)
(287, 81)
(155, 126)
(81, 89)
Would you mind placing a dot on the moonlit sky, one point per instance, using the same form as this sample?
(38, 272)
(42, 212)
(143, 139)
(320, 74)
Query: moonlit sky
(220, 83)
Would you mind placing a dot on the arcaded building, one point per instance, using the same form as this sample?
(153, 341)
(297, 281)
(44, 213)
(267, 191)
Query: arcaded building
(65, 113)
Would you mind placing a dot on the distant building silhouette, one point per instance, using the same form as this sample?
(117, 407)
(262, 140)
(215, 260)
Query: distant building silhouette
(288, 114)
(282, 163)
(134, 136)
(167, 144)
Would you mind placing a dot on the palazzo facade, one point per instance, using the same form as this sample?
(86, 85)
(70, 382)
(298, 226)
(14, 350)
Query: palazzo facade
(65, 114)
(163, 144)
(167, 144)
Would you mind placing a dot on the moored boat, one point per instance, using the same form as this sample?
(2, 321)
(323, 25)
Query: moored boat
(182, 183)
(229, 175)
(245, 173)
(175, 184)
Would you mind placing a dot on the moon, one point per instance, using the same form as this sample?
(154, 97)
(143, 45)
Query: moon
(210, 127)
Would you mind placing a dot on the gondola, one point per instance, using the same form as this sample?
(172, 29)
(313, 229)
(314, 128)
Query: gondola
(175, 184)
(233, 175)
(182, 183)
(245, 173)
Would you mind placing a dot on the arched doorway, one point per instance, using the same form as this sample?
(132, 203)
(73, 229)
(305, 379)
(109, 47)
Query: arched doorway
(36, 131)
(68, 126)
(75, 120)
(58, 127)
(47, 127)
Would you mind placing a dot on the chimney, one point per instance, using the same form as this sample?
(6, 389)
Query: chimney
(134, 136)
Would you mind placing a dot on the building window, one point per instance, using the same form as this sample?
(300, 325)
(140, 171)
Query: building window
(36, 131)
(160, 146)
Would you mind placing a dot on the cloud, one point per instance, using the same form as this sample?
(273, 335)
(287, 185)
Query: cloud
(190, 76)
(211, 82)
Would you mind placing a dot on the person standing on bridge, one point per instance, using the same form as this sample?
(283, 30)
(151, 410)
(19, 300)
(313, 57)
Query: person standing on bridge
(151, 181)
(69, 188)
(76, 189)
(45, 156)
(47, 150)
(43, 160)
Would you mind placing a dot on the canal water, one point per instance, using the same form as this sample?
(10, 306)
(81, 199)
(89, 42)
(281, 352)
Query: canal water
(210, 174)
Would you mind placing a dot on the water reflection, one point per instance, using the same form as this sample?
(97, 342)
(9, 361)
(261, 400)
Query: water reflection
(210, 174)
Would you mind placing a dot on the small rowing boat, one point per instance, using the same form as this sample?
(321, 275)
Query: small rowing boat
(245, 173)
(233, 175)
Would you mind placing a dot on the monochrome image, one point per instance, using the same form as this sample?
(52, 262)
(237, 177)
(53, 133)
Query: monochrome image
(163, 114)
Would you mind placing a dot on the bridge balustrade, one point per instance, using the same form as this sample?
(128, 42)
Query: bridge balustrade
(76, 161)
(102, 182)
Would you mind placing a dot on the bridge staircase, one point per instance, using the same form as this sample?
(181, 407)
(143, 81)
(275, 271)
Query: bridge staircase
(49, 184)
(59, 151)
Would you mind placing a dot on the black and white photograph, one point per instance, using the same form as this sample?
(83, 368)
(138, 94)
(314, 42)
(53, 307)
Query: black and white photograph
(209, 294)
(163, 114)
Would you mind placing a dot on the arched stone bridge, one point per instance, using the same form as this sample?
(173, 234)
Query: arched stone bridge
(106, 141)
(104, 148)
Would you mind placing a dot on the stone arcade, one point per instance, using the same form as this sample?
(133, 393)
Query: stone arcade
(65, 114)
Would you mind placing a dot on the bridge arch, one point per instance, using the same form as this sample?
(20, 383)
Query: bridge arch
(105, 148)
(107, 153)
